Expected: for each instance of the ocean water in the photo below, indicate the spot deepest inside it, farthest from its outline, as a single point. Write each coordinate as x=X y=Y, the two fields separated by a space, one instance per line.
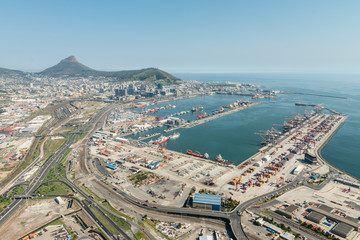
x=233 y=136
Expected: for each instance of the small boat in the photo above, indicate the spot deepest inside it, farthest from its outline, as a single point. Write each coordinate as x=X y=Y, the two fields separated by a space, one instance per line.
x=174 y=136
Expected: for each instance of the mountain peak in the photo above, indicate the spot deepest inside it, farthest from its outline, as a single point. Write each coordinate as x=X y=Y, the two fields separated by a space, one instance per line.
x=67 y=66
x=70 y=66
x=70 y=59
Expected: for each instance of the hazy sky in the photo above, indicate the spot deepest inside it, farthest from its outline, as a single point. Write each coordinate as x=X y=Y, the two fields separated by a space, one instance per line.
x=183 y=36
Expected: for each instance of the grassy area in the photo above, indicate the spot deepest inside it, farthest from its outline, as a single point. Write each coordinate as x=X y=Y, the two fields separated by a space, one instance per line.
x=140 y=235
x=120 y=222
x=6 y=169
x=99 y=232
x=64 y=129
x=54 y=188
x=92 y=193
x=51 y=176
x=138 y=177
x=51 y=146
x=49 y=110
x=18 y=190
x=81 y=135
x=103 y=220
x=4 y=203
x=33 y=156
x=61 y=165
x=73 y=176
x=108 y=206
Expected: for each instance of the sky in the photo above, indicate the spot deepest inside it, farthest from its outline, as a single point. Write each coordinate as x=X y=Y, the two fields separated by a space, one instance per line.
x=183 y=36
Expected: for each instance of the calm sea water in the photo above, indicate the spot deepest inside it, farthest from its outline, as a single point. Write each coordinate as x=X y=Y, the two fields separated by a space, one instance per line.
x=233 y=136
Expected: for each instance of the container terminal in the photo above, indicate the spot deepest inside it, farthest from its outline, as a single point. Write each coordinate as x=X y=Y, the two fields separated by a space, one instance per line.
x=268 y=168
x=286 y=156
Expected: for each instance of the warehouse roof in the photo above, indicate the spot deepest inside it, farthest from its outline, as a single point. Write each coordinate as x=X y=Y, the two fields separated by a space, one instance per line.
x=325 y=208
x=355 y=220
x=342 y=229
x=291 y=208
x=337 y=218
x=273 y=227
x=315 y=217
x=207 y=199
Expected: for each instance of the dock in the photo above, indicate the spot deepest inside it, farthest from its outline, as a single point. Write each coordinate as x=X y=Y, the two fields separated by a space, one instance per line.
x=144 y=138
x=219 y=115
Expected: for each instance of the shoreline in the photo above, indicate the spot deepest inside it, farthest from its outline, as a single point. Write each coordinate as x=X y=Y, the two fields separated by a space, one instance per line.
x=319 y=150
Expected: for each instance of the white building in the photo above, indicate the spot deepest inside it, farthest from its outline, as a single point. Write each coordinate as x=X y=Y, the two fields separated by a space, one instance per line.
x=59 y=200
x=298 y=169
x=258 y=163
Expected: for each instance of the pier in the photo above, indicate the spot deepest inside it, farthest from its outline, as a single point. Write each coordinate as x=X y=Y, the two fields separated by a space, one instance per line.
x=219 y=115
x=213 y=117
x=147 y=137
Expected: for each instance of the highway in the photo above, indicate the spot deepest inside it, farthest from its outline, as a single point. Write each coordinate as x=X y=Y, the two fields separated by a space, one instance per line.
x=41 y=174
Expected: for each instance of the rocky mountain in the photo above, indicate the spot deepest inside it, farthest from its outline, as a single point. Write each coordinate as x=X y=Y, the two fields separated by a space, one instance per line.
x=67 y=66
x=70 y=66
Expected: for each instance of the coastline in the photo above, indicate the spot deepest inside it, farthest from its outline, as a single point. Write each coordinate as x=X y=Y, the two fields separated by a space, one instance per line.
x=318 y=151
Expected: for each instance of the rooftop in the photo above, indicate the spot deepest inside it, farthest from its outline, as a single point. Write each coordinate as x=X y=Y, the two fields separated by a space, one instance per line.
x=315 y=217
x=325 y=208
x=291 y=208
x=337 y=218
x=207 y=199
x=342 y=229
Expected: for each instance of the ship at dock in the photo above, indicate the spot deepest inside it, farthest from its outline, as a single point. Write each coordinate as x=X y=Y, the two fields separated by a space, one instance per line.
x=161 y=139
x=202 y=116
x=219 y=159
x=197 y=154
x=220 y=110
x=194 y=154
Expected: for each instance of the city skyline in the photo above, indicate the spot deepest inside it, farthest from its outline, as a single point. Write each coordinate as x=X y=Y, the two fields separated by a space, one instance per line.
x=183 y=37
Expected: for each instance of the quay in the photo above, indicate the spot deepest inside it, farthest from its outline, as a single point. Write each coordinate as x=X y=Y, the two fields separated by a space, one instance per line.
x=219 y=115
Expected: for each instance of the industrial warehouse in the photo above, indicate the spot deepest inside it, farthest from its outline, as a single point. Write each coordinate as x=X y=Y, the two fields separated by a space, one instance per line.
x=206 y=201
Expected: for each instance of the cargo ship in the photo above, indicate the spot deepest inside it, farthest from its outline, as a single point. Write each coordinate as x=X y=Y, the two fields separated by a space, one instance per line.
x=220 y=110
x=202 y=116
x=174 y=136
x=161 y=139
x=194 y=154
x=219 y=159
x=154 y=110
